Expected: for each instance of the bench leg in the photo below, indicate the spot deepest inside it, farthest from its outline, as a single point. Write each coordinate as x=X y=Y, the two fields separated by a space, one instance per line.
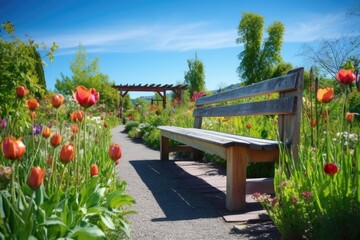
x=236 y=164
x=164 y=148
x=197 y=155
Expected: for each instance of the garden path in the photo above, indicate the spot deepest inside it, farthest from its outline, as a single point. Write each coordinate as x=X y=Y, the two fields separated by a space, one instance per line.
x=166 y=207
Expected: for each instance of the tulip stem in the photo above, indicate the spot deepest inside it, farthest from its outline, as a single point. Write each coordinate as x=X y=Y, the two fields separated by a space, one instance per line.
x=85 y=159
x=12 y=184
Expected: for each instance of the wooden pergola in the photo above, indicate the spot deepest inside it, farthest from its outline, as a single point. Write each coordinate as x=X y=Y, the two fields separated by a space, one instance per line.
x=159 y=88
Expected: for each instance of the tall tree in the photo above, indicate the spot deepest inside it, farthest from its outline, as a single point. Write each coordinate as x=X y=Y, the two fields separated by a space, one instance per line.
x=20 y=64
x=258 y=57
x=195 y=77
x=89 y=75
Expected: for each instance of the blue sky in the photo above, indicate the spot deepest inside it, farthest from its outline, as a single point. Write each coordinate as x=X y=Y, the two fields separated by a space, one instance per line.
x=141 y=41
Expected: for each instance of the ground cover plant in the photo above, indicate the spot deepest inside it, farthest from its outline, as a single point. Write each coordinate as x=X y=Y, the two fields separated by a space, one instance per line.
x=58 y=175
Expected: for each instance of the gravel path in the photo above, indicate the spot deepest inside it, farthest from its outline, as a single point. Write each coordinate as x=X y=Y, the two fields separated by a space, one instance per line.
x=165 y=211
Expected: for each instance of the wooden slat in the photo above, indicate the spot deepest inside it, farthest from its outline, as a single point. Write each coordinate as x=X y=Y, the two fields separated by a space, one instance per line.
x=269 y=107
x=280 y=84
x=224 y=139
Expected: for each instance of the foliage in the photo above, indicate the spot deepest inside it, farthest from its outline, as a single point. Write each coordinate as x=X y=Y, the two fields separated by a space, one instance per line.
x=70 y=201
x=318 y=197
x=195 y=76
x=89 y=75
x=20 y=64
x=258 y=57
x=127 y=103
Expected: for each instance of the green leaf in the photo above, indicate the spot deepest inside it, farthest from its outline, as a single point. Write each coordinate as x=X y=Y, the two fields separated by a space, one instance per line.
x=85 y=230
x=118 y=199
x=107 y=221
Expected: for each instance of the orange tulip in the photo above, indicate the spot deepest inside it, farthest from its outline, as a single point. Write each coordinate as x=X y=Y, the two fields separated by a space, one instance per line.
x=94 y=170
x=248 y=126
x=12 y=148
x=350 y=117
x=36 y=177
x=74 y=128
x=346 y=76
x=55 y=140
x=57 y=100
x=21 y=92
x=32 y=104
x=105 y=124
x=67 y=153
x=77 y=116
x=86 y=97
x=325 y=94
x=115 y=152
x=46 y=132
x=32 y=115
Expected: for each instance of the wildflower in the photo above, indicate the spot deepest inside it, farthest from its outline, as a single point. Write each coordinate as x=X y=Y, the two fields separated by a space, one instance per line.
x=12 y=148
x=5 y=172
x=197 y=95
x=67 y=153
x=325 y=94
x=307 y=196
x=248 y=126
x=294 y=200
x=86 y=97
x=32 y=104
x=37 y=129
x=36 y=177
x=46 y=132
x=55 y=140
x=330 y=169
x=349 y=117
x=32 y=115
x=21 y=92
x=115 y=152
x=345 y=76
x=77 y=116
x=57 y=100
x=3 y=124
x=94 y=170
x=256 y=195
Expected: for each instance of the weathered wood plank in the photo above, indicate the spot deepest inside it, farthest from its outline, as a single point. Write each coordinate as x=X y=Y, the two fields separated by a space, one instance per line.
x=270 y=107
x=280 y=84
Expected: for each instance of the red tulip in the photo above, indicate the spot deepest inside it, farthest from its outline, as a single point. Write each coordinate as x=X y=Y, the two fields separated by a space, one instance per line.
x=86 y=97
x=67 y=153
x=115 y=152
x=12 y=148
x=248 y=126
x=32 y=104
x=346 y=76
x=57 y=100
x=36 y=178
x=313 y=123
x=55 y=140
x=325 y=94
x=21 y=92
x=330 y=169
x=74 y=128
x=94 y=170
x=350 y=117
x=77 y=116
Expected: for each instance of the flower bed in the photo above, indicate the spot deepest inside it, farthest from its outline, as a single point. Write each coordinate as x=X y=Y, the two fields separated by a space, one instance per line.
x=58 y=174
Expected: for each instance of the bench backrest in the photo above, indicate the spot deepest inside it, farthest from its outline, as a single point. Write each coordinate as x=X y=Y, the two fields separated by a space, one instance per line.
x=288 y=106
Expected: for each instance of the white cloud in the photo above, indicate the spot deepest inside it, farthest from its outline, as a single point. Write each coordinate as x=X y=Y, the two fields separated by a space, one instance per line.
x=320 y=26
x=157 y=37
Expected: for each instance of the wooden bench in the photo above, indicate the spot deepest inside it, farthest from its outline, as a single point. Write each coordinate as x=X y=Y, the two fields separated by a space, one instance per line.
x=239 y=150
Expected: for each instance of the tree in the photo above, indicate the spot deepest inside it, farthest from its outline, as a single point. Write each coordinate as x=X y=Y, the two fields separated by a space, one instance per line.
x=330 y=54
x=89 y=75
x=20 y=64
x=195 y=77
x=258 y=57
